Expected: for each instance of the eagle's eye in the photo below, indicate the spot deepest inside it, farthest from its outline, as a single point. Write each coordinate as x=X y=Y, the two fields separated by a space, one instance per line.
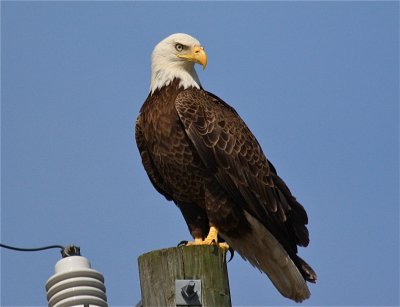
x=179 y=47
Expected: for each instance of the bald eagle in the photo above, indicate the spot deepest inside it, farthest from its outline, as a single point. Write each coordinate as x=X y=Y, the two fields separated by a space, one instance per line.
x=200 y=154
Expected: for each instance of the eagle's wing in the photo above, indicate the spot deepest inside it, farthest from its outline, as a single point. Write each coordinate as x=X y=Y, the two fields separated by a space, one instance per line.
x=232 y=154
x=228 y=148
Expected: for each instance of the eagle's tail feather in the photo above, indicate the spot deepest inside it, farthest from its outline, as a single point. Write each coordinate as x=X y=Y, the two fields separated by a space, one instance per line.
x=263 y=251
x=307 y=271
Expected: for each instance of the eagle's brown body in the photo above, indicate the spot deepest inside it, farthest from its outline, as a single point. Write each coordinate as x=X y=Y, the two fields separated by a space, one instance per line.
x=199 y=153
x=174 y=165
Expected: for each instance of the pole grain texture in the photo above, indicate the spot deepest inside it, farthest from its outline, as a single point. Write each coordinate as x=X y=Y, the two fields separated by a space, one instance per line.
x=159 y=269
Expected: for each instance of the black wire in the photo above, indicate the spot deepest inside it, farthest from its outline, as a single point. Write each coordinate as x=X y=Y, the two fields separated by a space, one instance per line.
x=31 y=249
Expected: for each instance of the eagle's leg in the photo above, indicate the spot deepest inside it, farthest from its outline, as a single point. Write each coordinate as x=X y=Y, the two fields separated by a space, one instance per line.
x=212 y=238
x=199 y=225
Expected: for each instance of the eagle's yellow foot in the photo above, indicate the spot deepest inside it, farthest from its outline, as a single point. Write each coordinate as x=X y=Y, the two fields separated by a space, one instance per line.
x=211 y=239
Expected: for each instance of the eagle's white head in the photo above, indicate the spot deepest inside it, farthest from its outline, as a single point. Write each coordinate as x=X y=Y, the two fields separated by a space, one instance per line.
x=174 y=57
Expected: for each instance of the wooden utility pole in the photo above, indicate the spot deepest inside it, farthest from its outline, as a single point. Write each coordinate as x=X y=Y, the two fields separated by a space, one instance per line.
x=162 y=273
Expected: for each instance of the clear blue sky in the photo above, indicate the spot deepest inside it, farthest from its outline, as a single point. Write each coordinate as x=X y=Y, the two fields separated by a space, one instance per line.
x=317 y=82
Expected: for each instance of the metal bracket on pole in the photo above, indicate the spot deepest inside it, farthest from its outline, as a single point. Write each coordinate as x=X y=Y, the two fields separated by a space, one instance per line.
x=188 y=292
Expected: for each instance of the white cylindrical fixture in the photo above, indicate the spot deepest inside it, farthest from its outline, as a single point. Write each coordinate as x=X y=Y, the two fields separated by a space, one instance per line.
x=76 y=284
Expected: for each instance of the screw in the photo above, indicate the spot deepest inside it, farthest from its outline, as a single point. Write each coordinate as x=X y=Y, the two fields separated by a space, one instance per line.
x=188 y=290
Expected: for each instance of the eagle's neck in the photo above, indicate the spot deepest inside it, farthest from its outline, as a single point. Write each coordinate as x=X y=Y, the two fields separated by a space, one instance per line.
x=163 y=74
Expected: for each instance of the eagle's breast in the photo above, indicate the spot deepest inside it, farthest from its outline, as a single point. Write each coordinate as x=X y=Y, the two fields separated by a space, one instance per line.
x=169 y=147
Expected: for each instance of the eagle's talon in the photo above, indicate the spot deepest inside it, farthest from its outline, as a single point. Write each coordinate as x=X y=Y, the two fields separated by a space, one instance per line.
x=231 y=252
x=182 y=243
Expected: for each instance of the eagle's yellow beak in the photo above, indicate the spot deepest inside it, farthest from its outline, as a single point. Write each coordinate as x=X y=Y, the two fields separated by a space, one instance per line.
x=197 y=55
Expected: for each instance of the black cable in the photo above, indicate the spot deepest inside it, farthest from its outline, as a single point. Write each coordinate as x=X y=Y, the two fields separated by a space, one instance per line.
x=31 y=249
x=65 y=251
